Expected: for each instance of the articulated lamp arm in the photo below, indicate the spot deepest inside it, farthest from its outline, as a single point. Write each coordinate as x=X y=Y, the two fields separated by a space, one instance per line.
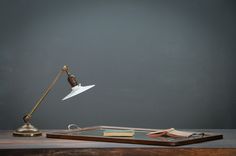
x=71 y=80
x=28 y=116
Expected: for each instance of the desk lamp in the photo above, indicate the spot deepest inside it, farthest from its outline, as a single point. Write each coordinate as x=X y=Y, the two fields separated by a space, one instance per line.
x=28 y=129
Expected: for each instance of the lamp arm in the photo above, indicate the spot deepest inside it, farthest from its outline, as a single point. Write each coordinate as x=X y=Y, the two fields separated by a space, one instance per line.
x=28 y=116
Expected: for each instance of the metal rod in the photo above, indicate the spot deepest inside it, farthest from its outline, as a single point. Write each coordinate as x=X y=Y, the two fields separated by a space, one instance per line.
x=64 y=69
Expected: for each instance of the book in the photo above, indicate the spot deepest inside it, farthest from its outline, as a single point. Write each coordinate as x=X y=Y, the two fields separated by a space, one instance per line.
x=118 y=133
x=171 y=132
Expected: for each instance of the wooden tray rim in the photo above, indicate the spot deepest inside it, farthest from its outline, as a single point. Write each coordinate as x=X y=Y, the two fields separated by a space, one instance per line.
x=60 y=135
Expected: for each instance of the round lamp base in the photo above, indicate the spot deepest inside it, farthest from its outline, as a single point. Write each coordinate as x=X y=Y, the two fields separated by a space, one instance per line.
x=27 y=130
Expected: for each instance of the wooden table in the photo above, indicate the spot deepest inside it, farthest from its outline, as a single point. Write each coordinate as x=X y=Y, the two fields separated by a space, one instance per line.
x=38 y=146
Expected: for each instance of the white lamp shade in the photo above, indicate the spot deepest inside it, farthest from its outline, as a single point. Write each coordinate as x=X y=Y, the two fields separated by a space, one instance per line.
x=77 y=90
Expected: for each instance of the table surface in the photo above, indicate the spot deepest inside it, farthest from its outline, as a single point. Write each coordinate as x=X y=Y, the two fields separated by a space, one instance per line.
x=11 y=144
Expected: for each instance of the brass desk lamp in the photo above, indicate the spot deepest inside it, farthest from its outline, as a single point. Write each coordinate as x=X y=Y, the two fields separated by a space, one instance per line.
x=28 y=129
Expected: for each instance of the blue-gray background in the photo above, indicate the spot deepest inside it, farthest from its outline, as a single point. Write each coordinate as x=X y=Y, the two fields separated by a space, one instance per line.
x=156 y=64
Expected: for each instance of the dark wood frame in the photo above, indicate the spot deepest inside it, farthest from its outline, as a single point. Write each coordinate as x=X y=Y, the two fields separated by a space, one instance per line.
x=65 y=134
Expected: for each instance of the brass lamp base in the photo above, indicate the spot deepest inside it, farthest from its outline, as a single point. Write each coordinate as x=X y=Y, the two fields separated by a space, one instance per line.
x=27 y=130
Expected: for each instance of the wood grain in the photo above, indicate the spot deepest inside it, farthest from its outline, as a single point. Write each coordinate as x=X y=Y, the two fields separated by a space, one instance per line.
x=38 y=146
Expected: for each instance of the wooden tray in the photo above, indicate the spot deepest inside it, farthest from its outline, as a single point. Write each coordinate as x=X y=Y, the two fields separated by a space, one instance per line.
x=140 y=137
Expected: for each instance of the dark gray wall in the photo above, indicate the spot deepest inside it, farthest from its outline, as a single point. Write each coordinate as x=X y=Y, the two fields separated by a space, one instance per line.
x=156 y=64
